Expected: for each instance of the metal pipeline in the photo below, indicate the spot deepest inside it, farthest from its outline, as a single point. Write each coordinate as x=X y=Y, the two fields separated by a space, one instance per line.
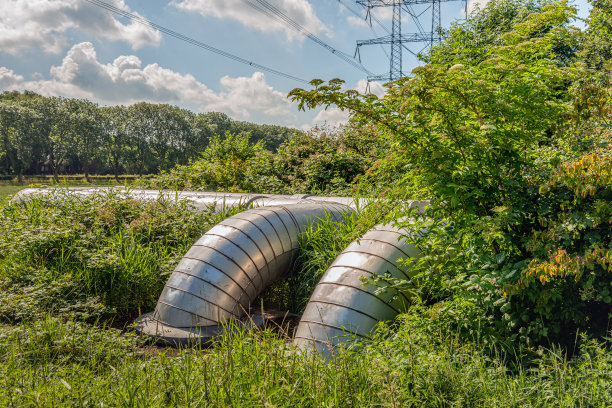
x=229 y=266
x=200 y=200
x=343 y=305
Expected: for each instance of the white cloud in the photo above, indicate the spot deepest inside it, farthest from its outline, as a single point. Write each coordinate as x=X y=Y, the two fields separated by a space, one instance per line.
x=375 y=88
x=245 y=93
x=44 y=24
x=331 y=117
x=300 y=11
x=356 y=21
x=125 y=81
x=8 y=78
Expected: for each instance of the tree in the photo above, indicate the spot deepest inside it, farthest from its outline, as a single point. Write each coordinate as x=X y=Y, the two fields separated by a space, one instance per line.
x=86 y=131
x=141 y=124
x=20 y=140
x=597 y=49
x=115 y=141
x=172 y=139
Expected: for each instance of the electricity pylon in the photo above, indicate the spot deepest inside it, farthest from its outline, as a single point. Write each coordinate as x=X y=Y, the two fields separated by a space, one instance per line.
x=396 y=39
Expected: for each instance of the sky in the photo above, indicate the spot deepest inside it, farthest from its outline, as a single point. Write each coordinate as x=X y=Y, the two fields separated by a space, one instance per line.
x=73 y=48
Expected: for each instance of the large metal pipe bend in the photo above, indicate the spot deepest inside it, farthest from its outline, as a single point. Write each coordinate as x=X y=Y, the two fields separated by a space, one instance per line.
x=343 y=305
x=229 y=266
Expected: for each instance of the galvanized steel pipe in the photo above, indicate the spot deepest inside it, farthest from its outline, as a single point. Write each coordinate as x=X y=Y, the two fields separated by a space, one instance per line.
x=230 y=265
x=226 y=269
x=343 y=305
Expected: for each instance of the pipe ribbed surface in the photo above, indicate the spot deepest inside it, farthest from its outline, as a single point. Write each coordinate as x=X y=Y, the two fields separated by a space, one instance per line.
x=343 y=305
x=230 y=265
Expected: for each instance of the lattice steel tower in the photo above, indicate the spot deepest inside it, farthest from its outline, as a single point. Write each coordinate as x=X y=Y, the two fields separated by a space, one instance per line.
x=396 y=39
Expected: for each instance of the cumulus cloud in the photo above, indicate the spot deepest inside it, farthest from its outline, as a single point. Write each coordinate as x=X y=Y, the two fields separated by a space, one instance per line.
x=8 y=78
x=300 y=11
x=125 y=81
x=44 y=24
x=375 y=87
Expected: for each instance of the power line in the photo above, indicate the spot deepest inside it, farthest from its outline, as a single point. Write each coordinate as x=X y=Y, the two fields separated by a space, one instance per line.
x=396 y=38
x=273 y=12
x=192 y=41
x=356 y=13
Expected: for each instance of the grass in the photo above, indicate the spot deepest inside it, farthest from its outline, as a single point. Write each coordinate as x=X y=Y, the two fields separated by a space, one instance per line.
x=92 y=257
x=54 y=363
x=71 y=269
x=9 y=187
x=9 y=190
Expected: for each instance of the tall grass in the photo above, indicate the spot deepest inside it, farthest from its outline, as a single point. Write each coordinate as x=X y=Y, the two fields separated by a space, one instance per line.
x=112 y=253
x=51 y=363
x=319 y=245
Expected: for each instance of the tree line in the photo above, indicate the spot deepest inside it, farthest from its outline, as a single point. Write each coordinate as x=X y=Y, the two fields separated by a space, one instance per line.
x=53 y=135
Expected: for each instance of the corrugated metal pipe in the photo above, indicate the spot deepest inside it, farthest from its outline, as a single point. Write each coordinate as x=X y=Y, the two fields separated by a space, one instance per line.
x=230 y=265
x=226 y=270
x=343 y=305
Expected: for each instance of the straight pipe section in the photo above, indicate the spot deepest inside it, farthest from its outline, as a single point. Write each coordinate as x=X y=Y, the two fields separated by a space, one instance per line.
x=229 y=266
x=200 y=200
x=343 y=305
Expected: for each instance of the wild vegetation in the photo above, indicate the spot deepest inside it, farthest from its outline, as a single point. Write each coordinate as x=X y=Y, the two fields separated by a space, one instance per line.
x=322 y=161
x=49 y=135
x=506 y=128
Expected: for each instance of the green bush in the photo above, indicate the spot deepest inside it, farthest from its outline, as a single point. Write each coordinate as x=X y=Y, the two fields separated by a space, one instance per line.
x=482 y=130
x=319 y=162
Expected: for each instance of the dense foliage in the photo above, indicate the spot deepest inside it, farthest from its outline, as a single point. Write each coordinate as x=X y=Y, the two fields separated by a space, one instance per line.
x=321 y=161
x=55 y=135
x=508 y=134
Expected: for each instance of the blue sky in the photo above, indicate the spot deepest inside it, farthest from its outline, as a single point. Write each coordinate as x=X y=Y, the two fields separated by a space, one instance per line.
x=75 y=49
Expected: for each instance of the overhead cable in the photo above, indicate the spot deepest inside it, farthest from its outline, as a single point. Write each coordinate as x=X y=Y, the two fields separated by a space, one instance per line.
x=356 y=13
x=192 y=41
x=273 y=12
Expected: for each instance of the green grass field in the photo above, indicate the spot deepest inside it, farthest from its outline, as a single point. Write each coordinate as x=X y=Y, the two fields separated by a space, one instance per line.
x=7 y=190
